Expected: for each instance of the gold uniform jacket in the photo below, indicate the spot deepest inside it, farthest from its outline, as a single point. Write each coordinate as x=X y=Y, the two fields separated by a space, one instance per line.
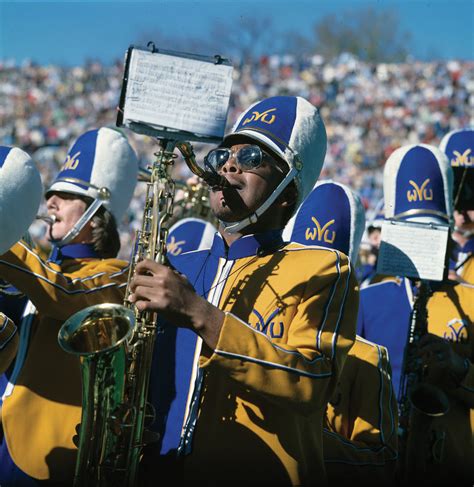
x=40 y=414
x=360 y=433
x=384 y=318
x=451 y=316
x=259 y=398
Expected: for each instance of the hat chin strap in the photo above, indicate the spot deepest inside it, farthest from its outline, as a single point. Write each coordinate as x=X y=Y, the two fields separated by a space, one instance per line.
x=234 y=227
x=79 y=225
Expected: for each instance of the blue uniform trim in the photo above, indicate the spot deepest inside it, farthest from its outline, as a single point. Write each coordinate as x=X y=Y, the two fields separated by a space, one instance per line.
x=358 y=448
x=57 y=286
x=72 y=251
x=77 y=279
x=7 y=340
x=271 y=364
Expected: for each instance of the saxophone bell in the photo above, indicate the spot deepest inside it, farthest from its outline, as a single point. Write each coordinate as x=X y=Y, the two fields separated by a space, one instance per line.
x=97 y=329
x=419 y=402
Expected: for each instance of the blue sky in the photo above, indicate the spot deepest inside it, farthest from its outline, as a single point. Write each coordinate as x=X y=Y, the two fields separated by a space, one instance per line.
x=70 y=32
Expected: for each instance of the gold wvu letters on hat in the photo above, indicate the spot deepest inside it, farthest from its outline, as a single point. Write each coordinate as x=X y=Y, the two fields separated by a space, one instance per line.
x=320 y=233
x=420 y=193
x=262 y=117
x=71 y=163
x=462 y=160
x=174 y=247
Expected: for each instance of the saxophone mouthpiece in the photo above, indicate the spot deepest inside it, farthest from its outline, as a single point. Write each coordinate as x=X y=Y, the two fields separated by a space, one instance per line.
x=215 y=181
x=46 y=218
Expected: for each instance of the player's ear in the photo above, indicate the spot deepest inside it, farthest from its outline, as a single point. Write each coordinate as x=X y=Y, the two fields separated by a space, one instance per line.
x=289 y=196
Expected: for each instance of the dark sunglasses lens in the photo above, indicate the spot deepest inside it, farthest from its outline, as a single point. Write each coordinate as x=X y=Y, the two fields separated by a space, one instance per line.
x=249 y=157
x=217 y=158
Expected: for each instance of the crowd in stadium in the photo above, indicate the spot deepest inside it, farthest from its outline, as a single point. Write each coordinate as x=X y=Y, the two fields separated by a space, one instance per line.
x=369 y=110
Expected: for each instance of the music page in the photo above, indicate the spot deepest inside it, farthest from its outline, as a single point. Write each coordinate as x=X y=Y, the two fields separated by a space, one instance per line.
x=413 y=250
x=178 y=93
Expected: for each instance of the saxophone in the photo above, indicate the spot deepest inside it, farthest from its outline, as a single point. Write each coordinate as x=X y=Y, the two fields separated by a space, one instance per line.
x=115 y=343
x=419 y=402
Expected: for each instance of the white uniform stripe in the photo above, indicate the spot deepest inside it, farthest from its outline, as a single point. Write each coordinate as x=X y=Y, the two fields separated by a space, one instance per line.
x=63 y=289
x=341 y=309
x=328 y=304
x=77 y=279
x=272 y=364
x=223 y=270
x=279 y=347
x=25 y=330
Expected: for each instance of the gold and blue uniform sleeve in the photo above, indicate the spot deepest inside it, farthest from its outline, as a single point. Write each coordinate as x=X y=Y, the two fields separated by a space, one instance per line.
x=60 y=291
x=360 y=434
x=47 y=387
x=313 y=302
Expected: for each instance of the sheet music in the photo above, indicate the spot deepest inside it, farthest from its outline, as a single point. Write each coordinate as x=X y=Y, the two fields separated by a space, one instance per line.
x=178 y=93
x=413 y=250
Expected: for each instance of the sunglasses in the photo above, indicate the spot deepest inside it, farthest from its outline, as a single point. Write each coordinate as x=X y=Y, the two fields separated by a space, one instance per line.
x=247 y=158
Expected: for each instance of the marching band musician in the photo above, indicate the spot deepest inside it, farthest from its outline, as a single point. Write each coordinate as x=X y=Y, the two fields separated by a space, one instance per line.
x=359 y=436
x=458 y=145
x=272 y=322
x=446 y=351
x=18 y=177
x=42 y=402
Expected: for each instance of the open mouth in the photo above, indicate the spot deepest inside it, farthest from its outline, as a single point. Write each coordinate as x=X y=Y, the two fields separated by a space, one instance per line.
x=227 y=189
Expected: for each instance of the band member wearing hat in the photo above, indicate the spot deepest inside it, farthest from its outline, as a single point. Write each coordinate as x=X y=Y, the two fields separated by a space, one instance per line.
x=458 y=145
x=189 y=234
x=18 y=177
x=360 y=436
x=418 y=189
x=42 y=402
x=272 y=322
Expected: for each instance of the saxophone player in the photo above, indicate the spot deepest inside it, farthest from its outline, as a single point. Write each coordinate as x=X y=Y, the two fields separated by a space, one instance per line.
x=445 y=352
x=42 y=401
x=272 y=322
x=458 y=145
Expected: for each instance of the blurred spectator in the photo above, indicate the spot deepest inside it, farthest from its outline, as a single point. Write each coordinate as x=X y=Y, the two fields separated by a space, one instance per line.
x=369 y=110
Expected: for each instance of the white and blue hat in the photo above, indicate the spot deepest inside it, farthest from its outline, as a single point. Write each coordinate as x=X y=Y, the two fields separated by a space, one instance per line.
x=189 y=234
x=292 y=128
x=458 y=145
x=418 y=185
x=102 y=165
x=331 y=216
x=21 y=190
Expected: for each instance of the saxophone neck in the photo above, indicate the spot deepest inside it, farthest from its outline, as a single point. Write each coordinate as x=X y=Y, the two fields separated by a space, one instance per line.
x=212 y=178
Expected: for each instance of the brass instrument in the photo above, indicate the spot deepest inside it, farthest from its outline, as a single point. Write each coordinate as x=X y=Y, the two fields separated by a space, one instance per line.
x=115 y=343
x=193 y=197
x=419 y=402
